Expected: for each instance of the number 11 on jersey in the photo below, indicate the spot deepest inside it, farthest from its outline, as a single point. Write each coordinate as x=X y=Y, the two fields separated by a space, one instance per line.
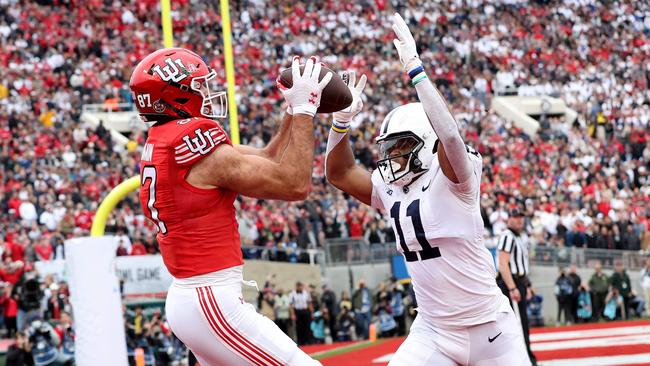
x=413 y=211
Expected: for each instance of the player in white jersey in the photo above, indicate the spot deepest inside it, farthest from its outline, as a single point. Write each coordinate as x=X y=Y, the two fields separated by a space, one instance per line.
x=428 y=181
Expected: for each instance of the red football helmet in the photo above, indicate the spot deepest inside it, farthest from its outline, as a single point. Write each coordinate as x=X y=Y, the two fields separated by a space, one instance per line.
x=174 y=83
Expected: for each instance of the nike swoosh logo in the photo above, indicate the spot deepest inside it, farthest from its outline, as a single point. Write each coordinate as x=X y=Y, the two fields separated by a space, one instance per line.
x=495 y=337
x=427 y=187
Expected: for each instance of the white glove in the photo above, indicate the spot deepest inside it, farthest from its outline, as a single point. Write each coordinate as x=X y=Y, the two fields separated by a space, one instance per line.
x=342 y=118
x=304 y=95
x=405 y=44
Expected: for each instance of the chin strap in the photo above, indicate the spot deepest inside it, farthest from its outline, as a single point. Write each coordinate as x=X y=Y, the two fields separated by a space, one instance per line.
x=181 y=113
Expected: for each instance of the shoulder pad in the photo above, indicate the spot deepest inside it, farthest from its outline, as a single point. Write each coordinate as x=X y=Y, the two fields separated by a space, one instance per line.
x=198 y=137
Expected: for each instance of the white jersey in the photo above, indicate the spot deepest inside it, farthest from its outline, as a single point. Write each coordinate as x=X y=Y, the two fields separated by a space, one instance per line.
x=439 y=231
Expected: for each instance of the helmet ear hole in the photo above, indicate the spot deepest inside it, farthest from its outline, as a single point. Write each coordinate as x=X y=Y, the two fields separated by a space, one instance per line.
x=181 y=100
x=417 y=163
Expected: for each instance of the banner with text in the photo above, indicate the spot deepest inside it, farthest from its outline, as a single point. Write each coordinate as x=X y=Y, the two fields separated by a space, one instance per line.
x=142 y=275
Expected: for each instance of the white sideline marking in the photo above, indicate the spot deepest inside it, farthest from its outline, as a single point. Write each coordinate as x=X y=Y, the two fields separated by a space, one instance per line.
x=383 y=359
x=630 y=340
x=589 y=333
x=640 y=358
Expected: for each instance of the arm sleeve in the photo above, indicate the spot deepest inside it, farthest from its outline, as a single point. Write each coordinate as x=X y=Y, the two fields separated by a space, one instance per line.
x=468 y=190
x=446 y=128
x=196 y=140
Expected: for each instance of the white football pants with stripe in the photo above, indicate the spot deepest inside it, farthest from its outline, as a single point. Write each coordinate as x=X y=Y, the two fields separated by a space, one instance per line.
x=209 y=315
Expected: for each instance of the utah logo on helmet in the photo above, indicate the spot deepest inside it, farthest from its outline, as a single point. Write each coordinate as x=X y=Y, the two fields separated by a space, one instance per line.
x=175 y=83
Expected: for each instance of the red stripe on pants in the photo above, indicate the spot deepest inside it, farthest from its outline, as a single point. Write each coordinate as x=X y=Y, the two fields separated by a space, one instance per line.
x=215 y=307
x=213 y=324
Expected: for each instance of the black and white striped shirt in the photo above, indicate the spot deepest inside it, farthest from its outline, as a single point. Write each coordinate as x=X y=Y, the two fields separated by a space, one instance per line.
x=517 y=246
x=299 y=301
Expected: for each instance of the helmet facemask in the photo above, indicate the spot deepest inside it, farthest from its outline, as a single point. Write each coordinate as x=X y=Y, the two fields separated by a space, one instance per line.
x=399 y=163
x=215 y=104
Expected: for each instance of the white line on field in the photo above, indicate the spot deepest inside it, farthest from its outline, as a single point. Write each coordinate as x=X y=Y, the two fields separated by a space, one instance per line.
x=629 y=340
x=640 y=358
x=553 y=336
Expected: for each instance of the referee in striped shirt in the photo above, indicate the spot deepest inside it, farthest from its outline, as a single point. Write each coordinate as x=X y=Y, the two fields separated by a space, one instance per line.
x=301 y=309
x=513 y=269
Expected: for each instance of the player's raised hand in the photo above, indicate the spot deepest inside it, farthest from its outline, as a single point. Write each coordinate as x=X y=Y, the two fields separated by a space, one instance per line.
x=342 y=118
x=304 y=95
x=405 y=44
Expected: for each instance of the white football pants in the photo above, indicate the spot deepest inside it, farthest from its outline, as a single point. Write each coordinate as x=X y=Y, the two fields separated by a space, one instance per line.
x=497 y=343
x=222 y=329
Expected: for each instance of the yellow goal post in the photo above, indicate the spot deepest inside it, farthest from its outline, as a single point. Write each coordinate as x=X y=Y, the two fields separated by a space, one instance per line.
x=110 y=201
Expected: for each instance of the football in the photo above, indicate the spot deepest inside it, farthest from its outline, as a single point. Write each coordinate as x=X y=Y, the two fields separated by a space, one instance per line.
x=336 y=95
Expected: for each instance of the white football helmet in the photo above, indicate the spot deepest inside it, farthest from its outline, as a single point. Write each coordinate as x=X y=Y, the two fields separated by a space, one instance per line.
x=406 y=126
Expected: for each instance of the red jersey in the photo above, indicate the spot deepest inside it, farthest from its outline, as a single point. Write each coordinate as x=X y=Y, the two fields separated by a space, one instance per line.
x=11 y=306
x=197 y=228
x=138 y=249
x=11 y=277
x=17 y=252
x=44 y=252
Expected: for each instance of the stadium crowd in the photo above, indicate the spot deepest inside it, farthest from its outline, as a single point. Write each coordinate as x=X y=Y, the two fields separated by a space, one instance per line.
x=330 y=317
x=583 y=184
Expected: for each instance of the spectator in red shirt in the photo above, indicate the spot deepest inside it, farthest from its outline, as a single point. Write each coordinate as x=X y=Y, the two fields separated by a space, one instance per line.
x=17 y=251
x=355 y=222
x=83 y=218
x=44 y=251
x=9 y=301
x=138 y=248
x=11 y=272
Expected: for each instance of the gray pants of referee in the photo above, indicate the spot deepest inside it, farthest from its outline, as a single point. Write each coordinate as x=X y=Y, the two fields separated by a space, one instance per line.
x=522 y=286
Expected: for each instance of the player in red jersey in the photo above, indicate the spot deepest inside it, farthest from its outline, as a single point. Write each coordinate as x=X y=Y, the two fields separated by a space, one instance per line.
x=190 y=176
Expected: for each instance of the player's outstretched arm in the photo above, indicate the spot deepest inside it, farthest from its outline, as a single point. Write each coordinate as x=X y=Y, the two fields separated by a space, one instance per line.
x=341 y=169
x=255 y=176
x=343 y=172
x=275 y=148
x=455 y=163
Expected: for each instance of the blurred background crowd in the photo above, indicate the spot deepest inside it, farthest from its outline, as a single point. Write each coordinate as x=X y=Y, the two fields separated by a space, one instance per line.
x=601 y=297
x=315 y=316
x=583 y=184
